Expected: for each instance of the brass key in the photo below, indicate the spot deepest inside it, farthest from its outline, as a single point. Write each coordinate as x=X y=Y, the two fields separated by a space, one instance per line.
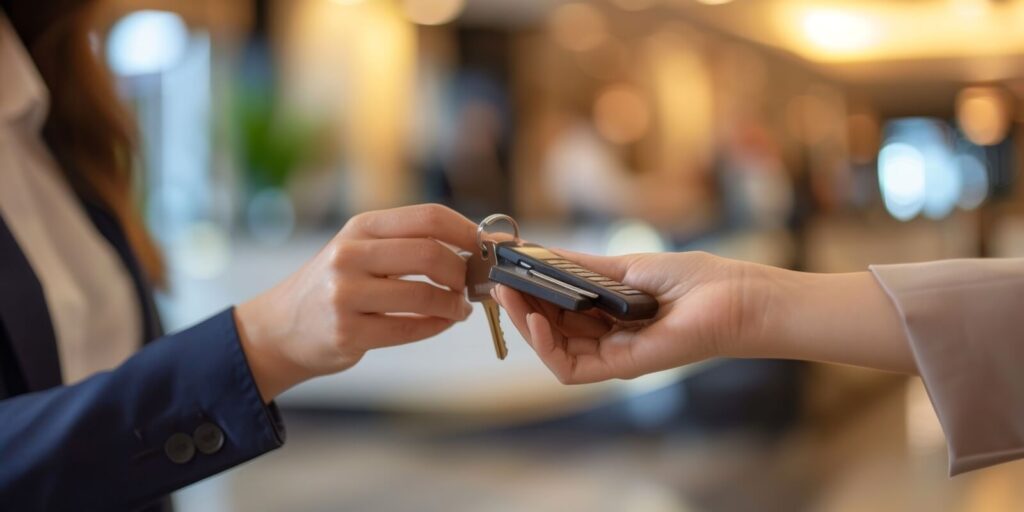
x=478 y=282
x=478 y=289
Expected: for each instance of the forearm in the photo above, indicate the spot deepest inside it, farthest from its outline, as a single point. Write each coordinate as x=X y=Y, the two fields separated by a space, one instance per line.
x=837 y=318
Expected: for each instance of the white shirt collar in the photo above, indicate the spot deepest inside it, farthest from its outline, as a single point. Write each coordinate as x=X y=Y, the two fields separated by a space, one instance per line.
x=24 y=100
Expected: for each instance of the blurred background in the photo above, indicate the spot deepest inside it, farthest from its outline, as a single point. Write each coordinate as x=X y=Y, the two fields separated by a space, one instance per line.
x=820 y=135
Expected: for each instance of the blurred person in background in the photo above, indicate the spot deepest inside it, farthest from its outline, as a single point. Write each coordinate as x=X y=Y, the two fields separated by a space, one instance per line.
x=98 y=410
x=956 y=323
x=593 y=180
x=756 y=188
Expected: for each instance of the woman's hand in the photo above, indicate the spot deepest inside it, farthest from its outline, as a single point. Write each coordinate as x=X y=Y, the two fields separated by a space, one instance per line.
x=348 y=299
x=702 y=307
x=709 y=307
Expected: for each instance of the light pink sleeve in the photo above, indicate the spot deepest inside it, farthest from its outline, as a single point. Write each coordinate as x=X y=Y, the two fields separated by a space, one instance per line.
x=965 y=323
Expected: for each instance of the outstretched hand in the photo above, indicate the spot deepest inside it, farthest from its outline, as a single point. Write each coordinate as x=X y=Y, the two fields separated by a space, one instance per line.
x=704 y=307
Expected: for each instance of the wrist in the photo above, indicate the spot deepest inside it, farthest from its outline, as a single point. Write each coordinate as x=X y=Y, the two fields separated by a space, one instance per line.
x=761 y=295
x=840 y=318
x=791 y=308
x=264 y=351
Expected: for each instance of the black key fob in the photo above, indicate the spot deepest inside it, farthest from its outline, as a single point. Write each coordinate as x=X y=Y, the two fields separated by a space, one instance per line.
x=536 y=271
x=519 y=278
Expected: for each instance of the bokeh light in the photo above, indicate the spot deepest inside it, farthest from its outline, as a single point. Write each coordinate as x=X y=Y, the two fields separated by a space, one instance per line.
x=621 y=114
x=632 y=236
x=204 y=251
x=973 y=180
x=917 y=169
x=983 y=114
x=942 y=183
x=147 y=41
x=578 y=26
x=901 y=176
x=432 y=12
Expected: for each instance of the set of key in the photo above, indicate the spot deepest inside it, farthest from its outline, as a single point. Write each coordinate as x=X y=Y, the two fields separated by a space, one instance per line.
x=478 y=289
x=538 y=272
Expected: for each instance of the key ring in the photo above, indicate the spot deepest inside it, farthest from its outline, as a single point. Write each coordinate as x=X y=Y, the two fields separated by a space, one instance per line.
x=491 y=219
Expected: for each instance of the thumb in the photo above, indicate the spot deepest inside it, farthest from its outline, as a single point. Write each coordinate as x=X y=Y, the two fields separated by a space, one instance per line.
x=614 y=267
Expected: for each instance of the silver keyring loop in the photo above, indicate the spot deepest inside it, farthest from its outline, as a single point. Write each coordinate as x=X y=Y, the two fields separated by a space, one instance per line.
x=491 y=219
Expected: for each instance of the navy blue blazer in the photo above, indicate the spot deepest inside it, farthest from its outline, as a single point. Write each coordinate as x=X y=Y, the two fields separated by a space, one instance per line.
x=181 y=409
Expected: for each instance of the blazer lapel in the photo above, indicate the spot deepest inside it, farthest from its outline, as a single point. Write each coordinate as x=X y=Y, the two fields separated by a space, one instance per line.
x=26 y=317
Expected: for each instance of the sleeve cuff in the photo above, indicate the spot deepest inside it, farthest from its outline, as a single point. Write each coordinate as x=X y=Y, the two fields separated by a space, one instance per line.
x=266 y=415
x=963 y=320
x=219 y=419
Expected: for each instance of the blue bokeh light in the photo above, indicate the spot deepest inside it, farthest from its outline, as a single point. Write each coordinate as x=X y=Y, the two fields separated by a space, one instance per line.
x=147 y=41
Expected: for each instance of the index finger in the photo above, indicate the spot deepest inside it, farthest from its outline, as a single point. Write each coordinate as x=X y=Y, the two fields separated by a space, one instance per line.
x=418 y=221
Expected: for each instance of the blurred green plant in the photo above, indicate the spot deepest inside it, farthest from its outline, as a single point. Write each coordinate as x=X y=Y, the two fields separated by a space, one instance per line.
x=274 y=143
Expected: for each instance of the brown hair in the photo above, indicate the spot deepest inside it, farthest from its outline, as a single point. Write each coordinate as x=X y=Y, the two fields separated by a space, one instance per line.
x=88 y=129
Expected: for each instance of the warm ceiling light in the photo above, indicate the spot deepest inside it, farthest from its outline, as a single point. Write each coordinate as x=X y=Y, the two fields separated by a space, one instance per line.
x=578 y=26
x=838 y=31
x=621 y=114
x=432 y=12
x=971 y=9
x=983 y=114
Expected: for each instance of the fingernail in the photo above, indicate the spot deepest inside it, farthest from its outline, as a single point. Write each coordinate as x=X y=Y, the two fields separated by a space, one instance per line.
x=467 y=308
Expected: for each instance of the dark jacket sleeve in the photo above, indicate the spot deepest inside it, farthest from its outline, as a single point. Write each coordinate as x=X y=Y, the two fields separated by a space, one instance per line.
x=183 y=408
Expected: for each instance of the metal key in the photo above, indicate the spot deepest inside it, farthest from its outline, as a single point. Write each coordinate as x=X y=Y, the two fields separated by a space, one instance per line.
x=478 y=289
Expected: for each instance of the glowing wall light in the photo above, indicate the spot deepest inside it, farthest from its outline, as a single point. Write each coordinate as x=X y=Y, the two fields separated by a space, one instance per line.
x=682 y=100
x=146 y=42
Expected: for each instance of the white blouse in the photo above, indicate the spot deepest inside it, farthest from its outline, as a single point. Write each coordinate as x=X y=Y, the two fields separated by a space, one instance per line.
x=92 y=302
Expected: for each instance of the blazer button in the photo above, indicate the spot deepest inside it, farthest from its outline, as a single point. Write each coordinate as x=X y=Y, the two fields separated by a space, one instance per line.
x=179 y=448
x=209 y=438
